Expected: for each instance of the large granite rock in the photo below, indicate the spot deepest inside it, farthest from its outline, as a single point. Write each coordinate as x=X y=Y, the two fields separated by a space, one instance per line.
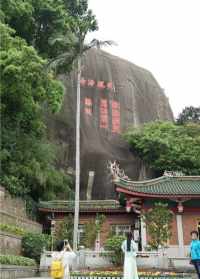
x=128 y=96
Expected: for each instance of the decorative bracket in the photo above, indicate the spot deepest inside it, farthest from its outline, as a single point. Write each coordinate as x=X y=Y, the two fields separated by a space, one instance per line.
x=116 y=172
x=173 y=173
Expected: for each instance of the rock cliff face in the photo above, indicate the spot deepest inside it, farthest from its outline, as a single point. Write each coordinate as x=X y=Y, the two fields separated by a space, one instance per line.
x=115 y=94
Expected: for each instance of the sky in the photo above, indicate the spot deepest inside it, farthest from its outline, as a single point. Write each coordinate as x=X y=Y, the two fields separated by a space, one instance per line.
x=162 y=36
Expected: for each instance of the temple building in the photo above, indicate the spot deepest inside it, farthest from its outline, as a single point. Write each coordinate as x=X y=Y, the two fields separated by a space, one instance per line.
x=181 y=193
x=116 y=221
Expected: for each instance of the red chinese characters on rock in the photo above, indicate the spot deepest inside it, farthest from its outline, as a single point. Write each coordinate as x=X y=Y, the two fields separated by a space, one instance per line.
x=97 y=84
x=88 y=106
x=103 y=113
x=101 y=84
x=91 y=83
x=83 y=82
x=110 y=86
x=115 y=117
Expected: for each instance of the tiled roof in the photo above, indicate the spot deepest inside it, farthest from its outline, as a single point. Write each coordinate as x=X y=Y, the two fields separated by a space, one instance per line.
x=85 y=205
x=165 y=185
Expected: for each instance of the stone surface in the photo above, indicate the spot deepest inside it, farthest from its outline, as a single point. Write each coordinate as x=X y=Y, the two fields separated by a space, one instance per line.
x=13 y=212
x=115 y=94
x=10 y=244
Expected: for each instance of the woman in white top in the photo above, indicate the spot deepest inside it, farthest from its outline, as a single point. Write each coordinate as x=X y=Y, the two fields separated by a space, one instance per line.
x=129 y=247
x=66 y=254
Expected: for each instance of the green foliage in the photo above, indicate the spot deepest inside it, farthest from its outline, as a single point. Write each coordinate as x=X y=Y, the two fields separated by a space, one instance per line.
x=189 y=114
x=100 y=219
x=33 y=245
x=16 y=260
x=113 y=244
x=30 y=30
x=167 y=146
x=65 y=229
x=82 y=21
x=28 y=160
x=29 y=169
x=40 y=21
x=36 y=21
x=12 y=229
x=23 y=75
x=158 y=221
x=90 y=234
x=122 y=199
x=91 y=230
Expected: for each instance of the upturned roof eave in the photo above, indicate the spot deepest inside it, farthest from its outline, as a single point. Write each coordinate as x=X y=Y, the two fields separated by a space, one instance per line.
x=159 y=195
x=120 y=181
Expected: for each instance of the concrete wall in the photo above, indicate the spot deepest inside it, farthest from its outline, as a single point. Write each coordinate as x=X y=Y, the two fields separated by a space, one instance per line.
x=25 y=223
x=190 y=223
x=13 y=212
x=10 y=244
x=15 y=206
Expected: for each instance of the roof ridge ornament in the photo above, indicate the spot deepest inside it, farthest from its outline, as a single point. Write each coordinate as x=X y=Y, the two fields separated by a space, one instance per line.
x=116 y=172
x=173 y=173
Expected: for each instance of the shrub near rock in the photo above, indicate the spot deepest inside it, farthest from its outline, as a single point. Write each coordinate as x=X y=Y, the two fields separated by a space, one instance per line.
x=16 y=260
x=12 y=229
x=34 y=243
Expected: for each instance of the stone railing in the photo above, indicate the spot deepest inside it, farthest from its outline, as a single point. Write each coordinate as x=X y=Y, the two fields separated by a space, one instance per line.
x=180 y=262
x=186 y=276
x=145 y=260
x=12 y=272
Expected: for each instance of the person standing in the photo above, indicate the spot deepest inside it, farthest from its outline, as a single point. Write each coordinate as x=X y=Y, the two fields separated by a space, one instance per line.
x=65 y=255
x=129 y=248
x=195 y=251
x=68 y=258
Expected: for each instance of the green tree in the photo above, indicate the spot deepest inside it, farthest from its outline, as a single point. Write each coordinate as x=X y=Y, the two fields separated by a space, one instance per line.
x=82 y=22
x=158 y=222
x=28 y=160
x=33 y=245
x=65 y=229
x=91 y=230
x=167 y=146
x=113 y=244
x=189 y=114
x=37 y=21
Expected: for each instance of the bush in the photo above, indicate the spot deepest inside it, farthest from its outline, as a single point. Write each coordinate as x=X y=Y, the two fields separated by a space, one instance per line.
x=65 y=229
x=114 y=244
x=92 y=228
x=12 y=229
x=34 y=243
x=158 y=221
x=16 y=260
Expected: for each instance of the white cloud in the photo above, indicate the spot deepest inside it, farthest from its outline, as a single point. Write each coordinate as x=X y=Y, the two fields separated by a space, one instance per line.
x=159 y=35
